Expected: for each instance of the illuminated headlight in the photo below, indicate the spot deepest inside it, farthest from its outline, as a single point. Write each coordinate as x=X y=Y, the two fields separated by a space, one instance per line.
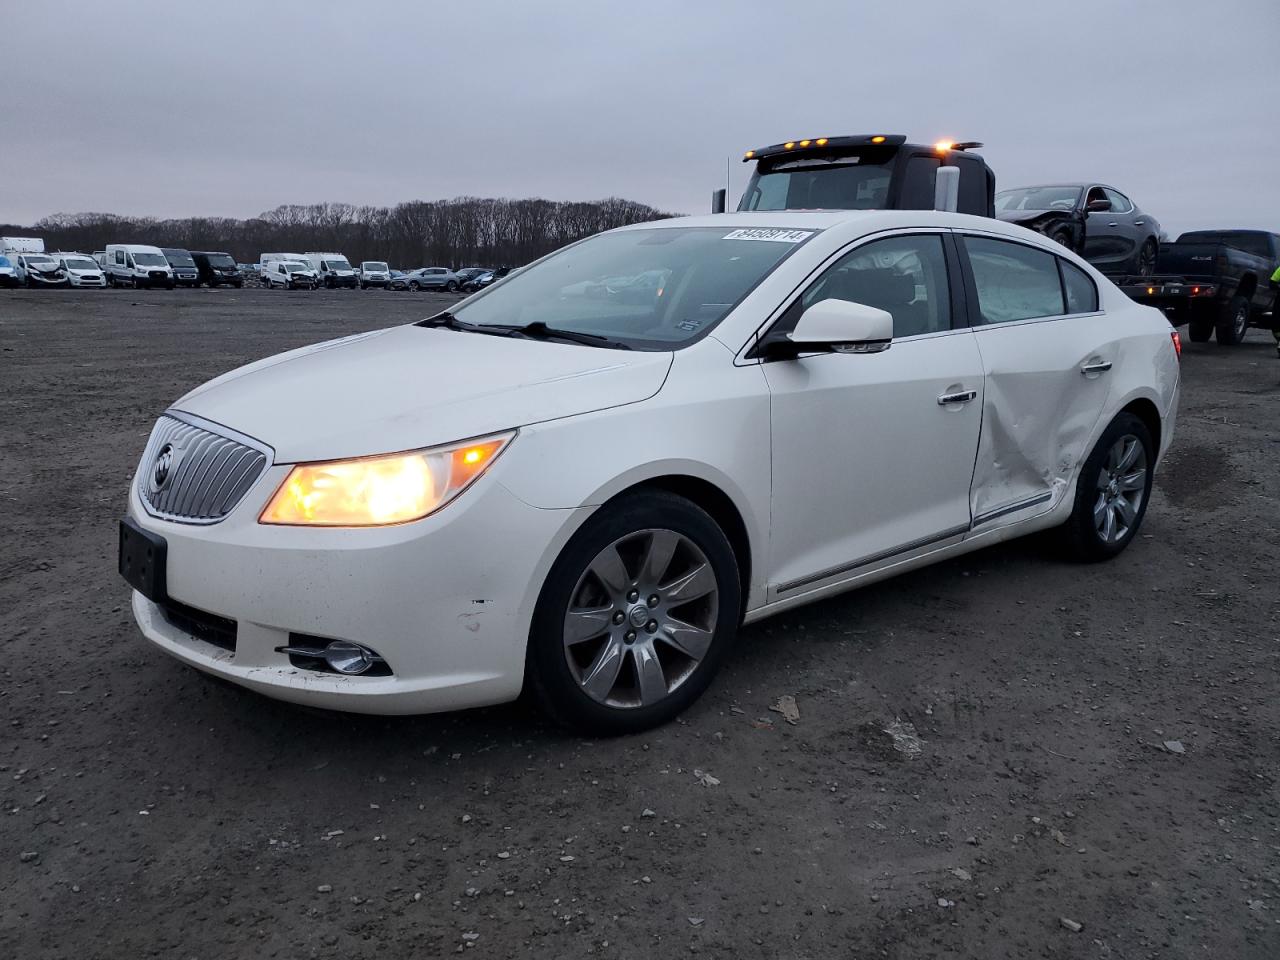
x=379 y=491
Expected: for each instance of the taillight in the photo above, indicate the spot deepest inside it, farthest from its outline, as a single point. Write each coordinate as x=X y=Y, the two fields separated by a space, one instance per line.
x=1177 y=342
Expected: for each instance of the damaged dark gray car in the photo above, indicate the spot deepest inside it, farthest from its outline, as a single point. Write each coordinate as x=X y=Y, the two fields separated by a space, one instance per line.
x=1096 y=221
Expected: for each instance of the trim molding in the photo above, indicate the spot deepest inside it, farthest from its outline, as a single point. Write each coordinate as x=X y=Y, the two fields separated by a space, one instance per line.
x=874 y=558
x=1023 y=504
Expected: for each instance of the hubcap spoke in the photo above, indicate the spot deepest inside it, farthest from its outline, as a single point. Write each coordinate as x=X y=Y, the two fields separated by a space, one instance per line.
x=611 y=571
x=1131 y=450
x=1099 y=510
x=698 y=582
x=1125 y=511
x=585 y=624
x=653 y=684
x=1109 y=524
x=662 y=547
x=692 y=641
x=1133 y=482
x=603 y=673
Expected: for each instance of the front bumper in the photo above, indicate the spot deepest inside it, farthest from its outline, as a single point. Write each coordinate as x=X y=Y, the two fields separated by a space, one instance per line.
x=88 y=281
x=446 y=601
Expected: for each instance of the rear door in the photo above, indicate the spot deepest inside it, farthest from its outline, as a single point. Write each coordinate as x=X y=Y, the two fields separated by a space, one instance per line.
x=873 y=453
x=1047 y=352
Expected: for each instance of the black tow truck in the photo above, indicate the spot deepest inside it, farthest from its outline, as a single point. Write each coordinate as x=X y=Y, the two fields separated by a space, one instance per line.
x=1214 y=281
x=867 y=172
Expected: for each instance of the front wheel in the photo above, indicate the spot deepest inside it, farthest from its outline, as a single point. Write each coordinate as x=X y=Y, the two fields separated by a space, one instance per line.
x=635 y=617
x=1063 y=236
x=414 y=286
x=451 y=287
x=1112 y=491
x=1233 y=322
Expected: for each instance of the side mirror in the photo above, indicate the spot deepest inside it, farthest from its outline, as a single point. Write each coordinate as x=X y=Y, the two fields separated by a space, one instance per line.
x=842 y=326
x=1098 y=206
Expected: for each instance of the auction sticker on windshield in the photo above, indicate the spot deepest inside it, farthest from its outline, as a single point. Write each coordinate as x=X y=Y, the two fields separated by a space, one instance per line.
x=777 y=236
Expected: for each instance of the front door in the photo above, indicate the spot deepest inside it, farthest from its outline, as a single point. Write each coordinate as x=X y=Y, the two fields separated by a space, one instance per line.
x=1047 y=353
x=873 y=453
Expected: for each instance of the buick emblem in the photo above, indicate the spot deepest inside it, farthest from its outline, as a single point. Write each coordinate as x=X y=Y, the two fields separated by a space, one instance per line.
x=162 y=466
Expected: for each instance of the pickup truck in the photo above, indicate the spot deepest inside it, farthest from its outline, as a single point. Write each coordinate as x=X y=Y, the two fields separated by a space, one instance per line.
x=1215 y=281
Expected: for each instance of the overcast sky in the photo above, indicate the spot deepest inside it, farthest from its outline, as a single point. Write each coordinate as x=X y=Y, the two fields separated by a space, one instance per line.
x=232 y=107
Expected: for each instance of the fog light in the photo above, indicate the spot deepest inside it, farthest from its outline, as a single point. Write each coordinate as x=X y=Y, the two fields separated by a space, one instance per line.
x=341 y=656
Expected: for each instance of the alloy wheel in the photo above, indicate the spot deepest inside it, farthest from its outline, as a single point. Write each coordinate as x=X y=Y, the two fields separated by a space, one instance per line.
x=1147 y=260
x=1240 y=322
x=1121 y=486
x=641 y=618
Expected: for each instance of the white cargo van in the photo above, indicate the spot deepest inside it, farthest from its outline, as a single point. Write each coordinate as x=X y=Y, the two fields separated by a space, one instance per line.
x=333 y=269
x=138 y=265
x=81 y=270
x=266 y=263
x=10 y=245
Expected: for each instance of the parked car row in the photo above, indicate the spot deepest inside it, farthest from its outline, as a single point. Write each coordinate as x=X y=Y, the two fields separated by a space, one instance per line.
x=24 y=262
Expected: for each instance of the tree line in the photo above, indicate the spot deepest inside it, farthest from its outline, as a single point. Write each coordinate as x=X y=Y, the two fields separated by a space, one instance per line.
x=455 y=233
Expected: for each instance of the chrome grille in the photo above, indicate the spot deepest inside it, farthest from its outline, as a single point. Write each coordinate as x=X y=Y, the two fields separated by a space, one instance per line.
x=208 y=472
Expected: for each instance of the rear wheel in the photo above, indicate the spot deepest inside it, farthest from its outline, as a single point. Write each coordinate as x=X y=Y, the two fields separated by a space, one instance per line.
x=1112 y=491
x=635 y=616
x=1233 y=322
x=414 y=286
x=1147 y=259
x=1199 y=327
x=451 y=286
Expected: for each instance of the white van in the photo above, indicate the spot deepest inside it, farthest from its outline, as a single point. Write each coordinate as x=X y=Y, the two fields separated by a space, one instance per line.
x=138 y=265
x=290 y=275
x=266 y=261
x=81 y=270
x=12 y=245
x=333 y=268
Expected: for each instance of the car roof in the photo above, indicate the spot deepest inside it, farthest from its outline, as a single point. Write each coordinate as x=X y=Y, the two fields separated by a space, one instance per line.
x=853 y=222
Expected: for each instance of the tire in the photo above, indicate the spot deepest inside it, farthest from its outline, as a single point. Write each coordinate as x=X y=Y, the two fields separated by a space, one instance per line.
x=451 y=287
x=1062 y=235
x=1199 y=329
x=414 y=286
x=1112 y=492
x=593 y=683
x=1233 y=321
x=1146 y=262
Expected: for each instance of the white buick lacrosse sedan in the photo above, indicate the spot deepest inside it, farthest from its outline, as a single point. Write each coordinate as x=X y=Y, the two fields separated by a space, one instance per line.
x=582 y=480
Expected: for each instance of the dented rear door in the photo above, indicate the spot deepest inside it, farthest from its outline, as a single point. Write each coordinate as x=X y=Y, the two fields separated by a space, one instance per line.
x=1047 y=379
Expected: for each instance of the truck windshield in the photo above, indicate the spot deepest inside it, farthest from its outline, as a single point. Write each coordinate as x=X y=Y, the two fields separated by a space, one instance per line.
x=858 y=182
x=221 y=260
x=1255 y=243
x=150 y=260
x=1038 y=198
x=337 y=265
x=656 y=288
x=375 y=266
x=179 y=259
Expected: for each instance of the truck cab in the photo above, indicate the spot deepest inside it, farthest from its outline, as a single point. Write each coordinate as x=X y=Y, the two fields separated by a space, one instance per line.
x=868 y=172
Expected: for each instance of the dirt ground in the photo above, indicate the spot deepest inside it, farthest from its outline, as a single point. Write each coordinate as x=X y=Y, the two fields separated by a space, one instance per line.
x=146 y=811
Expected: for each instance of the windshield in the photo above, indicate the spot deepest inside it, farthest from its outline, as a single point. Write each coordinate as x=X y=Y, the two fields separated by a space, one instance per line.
x=179 y=258
x=1255 y=243
x=221 y=260
x=80 y=263
x=656 y=288
x=4 y=262
x=1038 y=198
x=39 y=261
x=858 y=182
x=293 y=266
x=374 y=266
x=339 y=264
x=150 y=260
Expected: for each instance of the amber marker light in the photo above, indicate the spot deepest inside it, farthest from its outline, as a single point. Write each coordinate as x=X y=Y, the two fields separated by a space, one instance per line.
x=942 y=146
x=380 y=491
x=877 y=139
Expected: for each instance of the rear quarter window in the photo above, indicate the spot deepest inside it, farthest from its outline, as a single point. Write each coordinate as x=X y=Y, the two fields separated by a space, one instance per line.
x=1013 y=281
x=1080 y=290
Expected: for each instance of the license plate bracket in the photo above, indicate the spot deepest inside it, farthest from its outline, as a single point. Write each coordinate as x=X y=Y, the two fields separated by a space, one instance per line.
x=143 y=561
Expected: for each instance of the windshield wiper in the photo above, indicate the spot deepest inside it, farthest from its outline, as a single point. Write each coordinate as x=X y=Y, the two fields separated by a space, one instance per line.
x=540 y=331
x=447 y=320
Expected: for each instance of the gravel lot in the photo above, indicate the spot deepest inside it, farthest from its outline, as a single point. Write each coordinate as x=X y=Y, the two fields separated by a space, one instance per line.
x=148 y=811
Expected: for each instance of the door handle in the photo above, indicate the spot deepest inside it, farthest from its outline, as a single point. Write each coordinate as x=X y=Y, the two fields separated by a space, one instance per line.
x=1114 y=223
x=964 y=396
x=1138 y=223
x=1099 y=366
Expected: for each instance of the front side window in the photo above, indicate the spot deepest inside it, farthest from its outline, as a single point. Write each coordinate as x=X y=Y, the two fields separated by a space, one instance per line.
x=648 y=288
x=1013 y=281
x=906 y=276
x=1082 y=294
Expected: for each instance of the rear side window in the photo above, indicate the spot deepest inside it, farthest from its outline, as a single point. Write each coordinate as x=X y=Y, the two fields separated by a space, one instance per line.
x=1013 y=281
x=1082 y=295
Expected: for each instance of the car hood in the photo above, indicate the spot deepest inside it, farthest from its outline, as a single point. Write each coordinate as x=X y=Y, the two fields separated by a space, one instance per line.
x=410 y=387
